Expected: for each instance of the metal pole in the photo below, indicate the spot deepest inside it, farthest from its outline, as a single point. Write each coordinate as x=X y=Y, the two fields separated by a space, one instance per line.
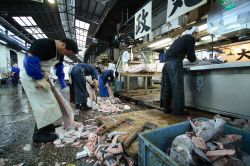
x=212 y=45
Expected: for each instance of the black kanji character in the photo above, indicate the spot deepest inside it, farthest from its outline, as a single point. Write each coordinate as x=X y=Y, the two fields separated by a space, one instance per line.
x=142 y=23
x=243 y=53
x=190 y=3
x=177 y=3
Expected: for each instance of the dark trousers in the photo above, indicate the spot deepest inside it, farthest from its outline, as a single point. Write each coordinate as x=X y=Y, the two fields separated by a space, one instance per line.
x=79 y=85
x=15 y=79
x=172 y=86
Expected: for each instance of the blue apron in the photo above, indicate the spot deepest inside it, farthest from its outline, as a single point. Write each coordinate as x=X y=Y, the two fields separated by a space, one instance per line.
x=103 y=89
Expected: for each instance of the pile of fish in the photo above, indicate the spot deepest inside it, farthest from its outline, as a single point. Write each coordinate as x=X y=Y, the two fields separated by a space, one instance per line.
x=240 y=123
x=206 y=145
x=140 y=68
x=202 y=62
x=136 y=68
x=73 y=135
x=111 y=105
x=106 y=149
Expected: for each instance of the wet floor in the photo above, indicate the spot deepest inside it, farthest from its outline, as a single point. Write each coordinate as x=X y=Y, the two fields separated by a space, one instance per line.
x=17 y=125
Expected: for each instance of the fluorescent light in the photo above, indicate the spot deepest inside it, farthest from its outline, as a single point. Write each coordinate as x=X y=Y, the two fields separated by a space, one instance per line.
x=51 y=1
x=162 y=46
x=1 y=41
x=202 y=27
x=206 y=38
x=160 y=42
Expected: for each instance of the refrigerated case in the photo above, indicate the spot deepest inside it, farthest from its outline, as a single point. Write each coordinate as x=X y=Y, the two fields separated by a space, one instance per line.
x=220 y=88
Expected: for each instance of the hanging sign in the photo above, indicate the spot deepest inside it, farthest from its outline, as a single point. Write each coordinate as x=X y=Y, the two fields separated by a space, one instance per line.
x=177 y=8
x=143 y=21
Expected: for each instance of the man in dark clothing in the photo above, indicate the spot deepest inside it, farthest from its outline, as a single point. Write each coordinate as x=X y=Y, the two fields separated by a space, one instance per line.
x=15 y=74
x=42 y=55
x=78 y=84
x=172 y=85
x=104 y=82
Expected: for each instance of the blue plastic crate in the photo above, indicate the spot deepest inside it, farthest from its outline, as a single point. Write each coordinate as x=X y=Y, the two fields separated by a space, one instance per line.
x=153 y=144
x=118 y=86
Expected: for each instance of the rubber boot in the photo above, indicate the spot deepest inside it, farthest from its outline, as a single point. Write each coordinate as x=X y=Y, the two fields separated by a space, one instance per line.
x=43 y=135
x=166 y=108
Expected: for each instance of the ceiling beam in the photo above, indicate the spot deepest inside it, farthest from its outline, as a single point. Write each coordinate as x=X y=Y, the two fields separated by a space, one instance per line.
x=106 y=11
x=14 y=30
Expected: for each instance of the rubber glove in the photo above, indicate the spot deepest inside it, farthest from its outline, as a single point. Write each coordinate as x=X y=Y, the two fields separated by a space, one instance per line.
x=95 y=83
x=42 y=84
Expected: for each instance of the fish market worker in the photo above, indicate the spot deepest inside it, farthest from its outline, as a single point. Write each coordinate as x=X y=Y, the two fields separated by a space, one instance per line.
x=104 y=82
x=78 y=89
x=15 y=70
x=172 y=84
x=42 y=55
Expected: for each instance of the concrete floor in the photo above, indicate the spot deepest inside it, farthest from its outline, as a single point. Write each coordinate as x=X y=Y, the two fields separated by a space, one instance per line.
x=17 y=125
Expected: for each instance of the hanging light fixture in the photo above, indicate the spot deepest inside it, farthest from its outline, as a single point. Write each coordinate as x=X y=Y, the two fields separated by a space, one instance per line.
x=51 y=1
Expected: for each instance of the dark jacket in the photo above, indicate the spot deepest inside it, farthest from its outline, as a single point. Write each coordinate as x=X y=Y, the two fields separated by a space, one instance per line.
x=88 y=70
x=181 y=47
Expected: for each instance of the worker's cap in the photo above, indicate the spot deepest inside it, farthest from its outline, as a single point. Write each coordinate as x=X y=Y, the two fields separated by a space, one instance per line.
x=115 y=74
x=192 y=30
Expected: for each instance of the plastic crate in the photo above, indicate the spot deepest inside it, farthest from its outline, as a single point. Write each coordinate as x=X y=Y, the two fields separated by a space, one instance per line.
x=153 y=144
x=118 y=86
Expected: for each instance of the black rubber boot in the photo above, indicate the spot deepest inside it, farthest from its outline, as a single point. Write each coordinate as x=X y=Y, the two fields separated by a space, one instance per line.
x=167 y=107
x=43 y=135
x=167 y=110
x=50 y=128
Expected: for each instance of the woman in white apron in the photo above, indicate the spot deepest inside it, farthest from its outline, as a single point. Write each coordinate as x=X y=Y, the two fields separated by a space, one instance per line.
x=42 y=55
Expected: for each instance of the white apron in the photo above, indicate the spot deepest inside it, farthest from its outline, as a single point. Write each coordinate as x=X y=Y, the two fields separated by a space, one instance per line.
x=43 y=103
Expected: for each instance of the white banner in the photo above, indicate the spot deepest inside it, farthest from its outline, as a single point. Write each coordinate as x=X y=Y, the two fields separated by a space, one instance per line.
x=143 y=21
x=179 y=7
